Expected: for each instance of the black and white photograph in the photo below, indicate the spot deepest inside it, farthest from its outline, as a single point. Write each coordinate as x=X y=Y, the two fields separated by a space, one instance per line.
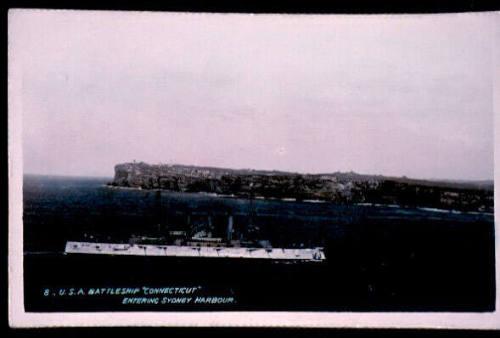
x=252 y=169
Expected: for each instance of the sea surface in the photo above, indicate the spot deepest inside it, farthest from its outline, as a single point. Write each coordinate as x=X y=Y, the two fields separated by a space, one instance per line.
x=379 y=257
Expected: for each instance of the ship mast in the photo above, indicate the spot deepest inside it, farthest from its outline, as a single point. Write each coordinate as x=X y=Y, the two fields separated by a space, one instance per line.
x=251 y=223
x=159 y=211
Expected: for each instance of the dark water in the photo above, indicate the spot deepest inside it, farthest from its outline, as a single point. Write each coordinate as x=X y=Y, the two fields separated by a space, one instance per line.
x=378 y=258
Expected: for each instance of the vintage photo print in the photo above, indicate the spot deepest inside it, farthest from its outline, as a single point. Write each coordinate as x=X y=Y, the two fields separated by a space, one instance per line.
x=182 y=169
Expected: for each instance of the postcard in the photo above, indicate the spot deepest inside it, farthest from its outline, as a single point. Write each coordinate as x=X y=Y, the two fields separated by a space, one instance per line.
x=292 y=170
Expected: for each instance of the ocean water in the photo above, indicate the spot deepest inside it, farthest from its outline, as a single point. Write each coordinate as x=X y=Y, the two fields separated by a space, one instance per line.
x=379 y=258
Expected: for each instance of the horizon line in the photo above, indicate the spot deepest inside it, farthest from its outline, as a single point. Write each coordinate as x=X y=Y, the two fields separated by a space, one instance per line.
x=389 y=176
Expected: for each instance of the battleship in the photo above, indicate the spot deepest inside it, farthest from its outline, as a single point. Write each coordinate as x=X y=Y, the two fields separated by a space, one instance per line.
x=207 y=247
x=282 y=254
x=191 y=240
x=196 y=239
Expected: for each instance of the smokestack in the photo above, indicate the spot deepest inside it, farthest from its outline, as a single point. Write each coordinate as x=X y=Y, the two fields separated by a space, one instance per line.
x=229 y=227
x=210 y=228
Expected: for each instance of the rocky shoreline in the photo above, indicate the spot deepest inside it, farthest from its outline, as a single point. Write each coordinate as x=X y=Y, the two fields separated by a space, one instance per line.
x=334 y=187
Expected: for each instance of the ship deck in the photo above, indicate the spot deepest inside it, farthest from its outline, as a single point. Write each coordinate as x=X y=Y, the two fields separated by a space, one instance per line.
x=308 y=254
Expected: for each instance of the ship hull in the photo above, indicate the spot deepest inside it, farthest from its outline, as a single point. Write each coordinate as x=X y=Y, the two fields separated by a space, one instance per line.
x=275 y=254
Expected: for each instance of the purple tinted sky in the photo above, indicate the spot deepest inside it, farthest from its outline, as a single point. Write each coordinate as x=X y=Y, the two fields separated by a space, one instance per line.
x=391 y=95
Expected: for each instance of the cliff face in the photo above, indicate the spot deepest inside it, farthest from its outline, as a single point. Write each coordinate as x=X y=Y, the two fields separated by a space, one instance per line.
x=336 y=187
